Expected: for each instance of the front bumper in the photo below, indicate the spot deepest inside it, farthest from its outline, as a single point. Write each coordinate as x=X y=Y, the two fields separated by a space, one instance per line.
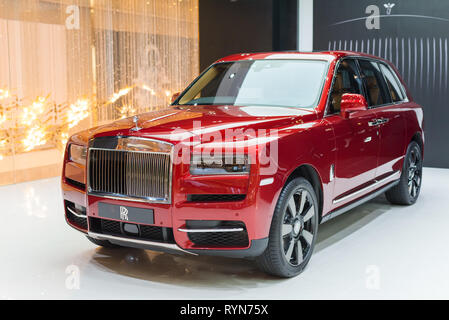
x=170 y=224
x=256 y=248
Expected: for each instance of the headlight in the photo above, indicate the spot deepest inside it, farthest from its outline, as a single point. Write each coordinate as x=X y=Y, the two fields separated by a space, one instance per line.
x=78 y=154
x=224 y=164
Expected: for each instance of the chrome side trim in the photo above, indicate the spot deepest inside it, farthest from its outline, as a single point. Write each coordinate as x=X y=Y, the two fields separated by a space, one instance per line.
x=371 y=186
x=266 y=182
x=76 y=213
x=211 y=230
x=169 y=246
x=358 y=202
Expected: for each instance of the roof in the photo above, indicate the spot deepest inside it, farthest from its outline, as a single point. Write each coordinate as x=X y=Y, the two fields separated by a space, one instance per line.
x=319 y=55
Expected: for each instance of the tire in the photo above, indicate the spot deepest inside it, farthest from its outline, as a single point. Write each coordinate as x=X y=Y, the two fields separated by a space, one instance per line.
x=406 y=192
x=103 y=243
x=290 y=232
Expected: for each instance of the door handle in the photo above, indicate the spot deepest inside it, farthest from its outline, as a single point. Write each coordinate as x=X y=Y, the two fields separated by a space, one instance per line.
x=377 y=122
x=383 y=120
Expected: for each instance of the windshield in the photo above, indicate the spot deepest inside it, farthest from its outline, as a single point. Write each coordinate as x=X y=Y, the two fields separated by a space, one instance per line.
x=292 y=83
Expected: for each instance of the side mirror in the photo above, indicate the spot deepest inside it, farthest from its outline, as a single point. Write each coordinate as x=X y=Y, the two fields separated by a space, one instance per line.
x=174 y=97
x=351 y=102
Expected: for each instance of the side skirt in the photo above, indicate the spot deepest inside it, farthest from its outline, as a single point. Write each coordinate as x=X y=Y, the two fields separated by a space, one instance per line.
x=358 y=202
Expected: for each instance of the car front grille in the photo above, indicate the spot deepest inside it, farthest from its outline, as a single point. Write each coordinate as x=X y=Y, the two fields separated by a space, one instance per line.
x=139 y=175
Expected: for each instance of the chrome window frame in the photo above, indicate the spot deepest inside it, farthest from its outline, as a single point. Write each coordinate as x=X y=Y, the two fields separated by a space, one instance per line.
x=357 y=58
x=397 y=80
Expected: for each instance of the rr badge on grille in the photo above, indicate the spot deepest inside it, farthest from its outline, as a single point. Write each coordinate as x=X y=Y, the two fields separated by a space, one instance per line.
x=123 y=213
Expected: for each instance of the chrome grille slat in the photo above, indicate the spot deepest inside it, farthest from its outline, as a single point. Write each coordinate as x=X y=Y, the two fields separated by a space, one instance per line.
x=134 y=175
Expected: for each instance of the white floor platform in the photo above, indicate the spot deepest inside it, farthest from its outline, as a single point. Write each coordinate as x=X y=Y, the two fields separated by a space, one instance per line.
x=375 y=251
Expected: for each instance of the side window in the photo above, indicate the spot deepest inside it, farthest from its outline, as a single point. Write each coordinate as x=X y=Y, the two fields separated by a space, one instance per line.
x=374 y=83
x=347 y=80
x=393 y=83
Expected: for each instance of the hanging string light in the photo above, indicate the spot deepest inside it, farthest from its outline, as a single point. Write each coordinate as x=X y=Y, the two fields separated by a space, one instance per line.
x=126 y=111
x=78 y=77
x=36 y=136
x=77 y=112
x=31 y=113
x=119 y=94
x=4 y=94
x=2 y=144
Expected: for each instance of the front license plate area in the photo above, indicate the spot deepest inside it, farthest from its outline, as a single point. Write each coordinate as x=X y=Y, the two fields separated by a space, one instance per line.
x=125 y=213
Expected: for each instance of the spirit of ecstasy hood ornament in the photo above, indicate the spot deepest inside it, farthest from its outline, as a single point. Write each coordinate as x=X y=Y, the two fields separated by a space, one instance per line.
x=135 y=120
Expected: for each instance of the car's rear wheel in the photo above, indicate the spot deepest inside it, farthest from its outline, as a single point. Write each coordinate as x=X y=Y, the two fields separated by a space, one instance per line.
x=103 y=243
x=293 y=230
x=406 y=192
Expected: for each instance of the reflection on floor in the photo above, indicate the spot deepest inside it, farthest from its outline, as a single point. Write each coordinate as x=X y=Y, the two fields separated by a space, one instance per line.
x=374 y=251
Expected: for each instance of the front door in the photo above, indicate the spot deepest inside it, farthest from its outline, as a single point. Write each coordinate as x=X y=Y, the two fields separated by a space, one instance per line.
x=357 y=143
x=356 y=138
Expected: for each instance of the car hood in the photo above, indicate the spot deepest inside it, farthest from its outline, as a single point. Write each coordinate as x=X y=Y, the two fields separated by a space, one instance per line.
x=180 y=122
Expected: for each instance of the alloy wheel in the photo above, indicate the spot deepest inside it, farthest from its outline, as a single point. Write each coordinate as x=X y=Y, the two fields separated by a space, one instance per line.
x=414 y=173
x=298 y=227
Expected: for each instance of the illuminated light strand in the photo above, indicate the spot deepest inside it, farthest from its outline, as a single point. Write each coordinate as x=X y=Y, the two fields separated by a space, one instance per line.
x=147 y=88
x=4 y=93
x=31 y=113
x=126 y=111
x=38 y=133
x=78 y=111
x=120 y=93
x=2 y=144
x=124 y=91
x=36 y=136
x=64 y=137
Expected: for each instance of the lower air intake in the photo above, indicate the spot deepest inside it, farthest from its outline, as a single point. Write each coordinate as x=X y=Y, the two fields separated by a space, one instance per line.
x=115 y=228
x=237 y=239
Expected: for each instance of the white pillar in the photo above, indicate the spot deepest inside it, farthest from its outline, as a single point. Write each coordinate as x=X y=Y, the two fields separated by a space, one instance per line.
x=305 y=25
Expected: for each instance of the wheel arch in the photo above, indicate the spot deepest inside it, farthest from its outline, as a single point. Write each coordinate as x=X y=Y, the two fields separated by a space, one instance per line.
x=417 y=137
x=309 y=173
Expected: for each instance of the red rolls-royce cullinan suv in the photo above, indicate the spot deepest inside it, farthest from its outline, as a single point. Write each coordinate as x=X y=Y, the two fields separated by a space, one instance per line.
x=249 y=159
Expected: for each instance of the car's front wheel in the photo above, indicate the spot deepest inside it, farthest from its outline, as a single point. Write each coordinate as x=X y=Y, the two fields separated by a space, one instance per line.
x=293 y=230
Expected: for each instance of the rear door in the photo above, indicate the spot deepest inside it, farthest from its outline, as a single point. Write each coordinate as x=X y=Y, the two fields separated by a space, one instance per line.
x=392 y=125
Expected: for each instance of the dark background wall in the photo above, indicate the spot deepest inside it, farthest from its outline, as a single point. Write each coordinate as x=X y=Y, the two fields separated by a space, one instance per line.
x=234 y=26
x=414 y=36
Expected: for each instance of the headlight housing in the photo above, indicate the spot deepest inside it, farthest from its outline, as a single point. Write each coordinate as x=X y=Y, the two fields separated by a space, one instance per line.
x=202 y=164
x=78 y=154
